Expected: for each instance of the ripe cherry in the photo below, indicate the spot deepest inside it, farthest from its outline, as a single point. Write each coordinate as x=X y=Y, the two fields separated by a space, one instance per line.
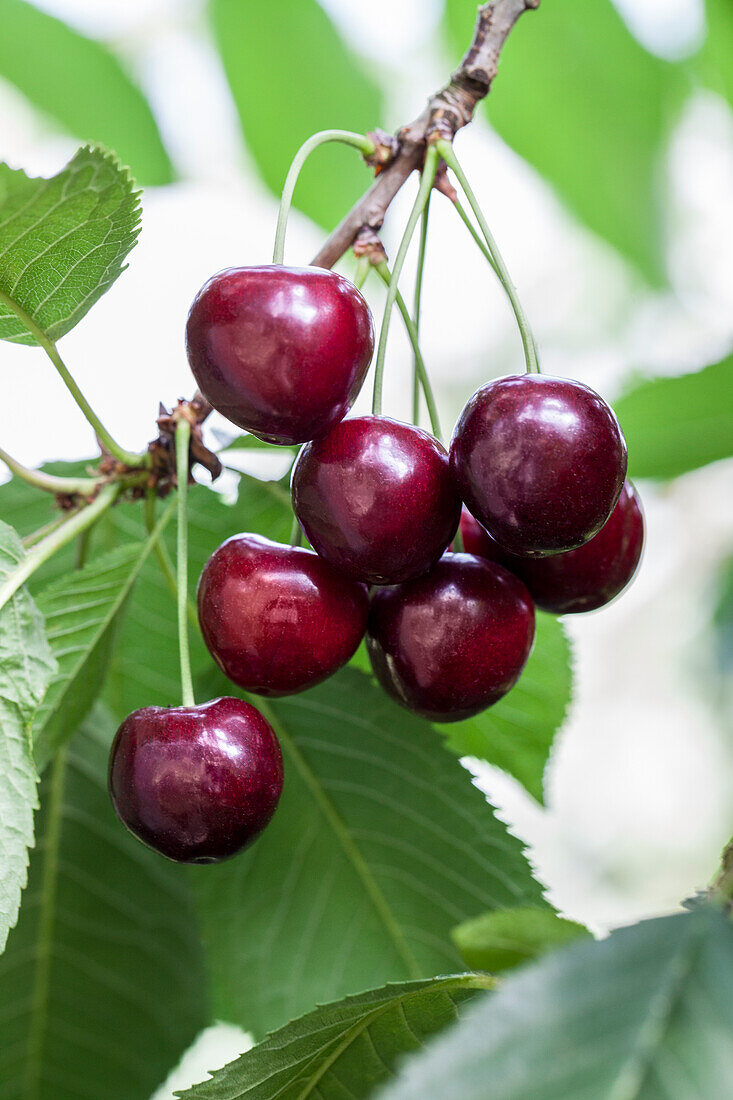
x=196 y=783
x=280 y=351
x=451 y=643
x=278 y=619
x=539 y=461
x=582 y=579
x=376 y=499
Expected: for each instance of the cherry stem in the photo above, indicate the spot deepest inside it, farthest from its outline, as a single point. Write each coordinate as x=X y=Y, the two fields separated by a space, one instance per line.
x=417 y=301
x=57 y=539
x=296 y=533
x=423 y=194
x=50 y=482
x=128 y=458
x=165 y=564
x=363 y=267
x=530 y=349
x=183 y=437
x=420 y=369
x=463 y=215
x=36 y=536
x=346 y=137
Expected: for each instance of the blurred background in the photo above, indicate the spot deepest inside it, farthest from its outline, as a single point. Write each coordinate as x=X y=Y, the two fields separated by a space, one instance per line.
x=604 y=161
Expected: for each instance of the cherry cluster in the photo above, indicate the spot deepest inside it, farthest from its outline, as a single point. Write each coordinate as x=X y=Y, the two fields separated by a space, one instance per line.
x=535 y=479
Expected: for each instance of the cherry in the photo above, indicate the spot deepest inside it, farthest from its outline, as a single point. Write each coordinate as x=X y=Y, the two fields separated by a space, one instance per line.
x=451 y=643
x=196 y=783
x=582 y=579
x=376 y=499
x=539 y=461
x=278 y=619
x=280 y=351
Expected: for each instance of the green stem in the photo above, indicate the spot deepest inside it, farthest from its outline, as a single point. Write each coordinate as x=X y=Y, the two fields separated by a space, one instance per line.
x=165 y=564
x=363 y=267
x=346 y=137
x=463 y=215
x=417 y=304
x=128 y=458
x=49 y=482
x=458 y=541
x=296 y=533
x=530 y=351
x=183 y=437
x=36 y=536
x=76 y=525
x=426 y=185
x=420 y=370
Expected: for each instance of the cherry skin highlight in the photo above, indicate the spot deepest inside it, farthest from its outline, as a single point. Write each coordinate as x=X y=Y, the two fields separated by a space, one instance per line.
x=539 y=461
x=278 y=619
x=451 y=643
x=376 y=499
x=197 y=784
x=579 y=580
x=280 y=351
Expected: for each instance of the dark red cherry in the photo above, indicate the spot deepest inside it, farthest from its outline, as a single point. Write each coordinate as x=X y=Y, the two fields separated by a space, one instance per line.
x=539 y=461
x=376 y=499
x=582 y=579
x=280 y=351
x=451 y=643
x=278 y=619
x=197 y=784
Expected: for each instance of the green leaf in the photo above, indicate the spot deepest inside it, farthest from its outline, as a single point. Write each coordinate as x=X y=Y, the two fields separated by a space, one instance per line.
x=26 y=666
x=590 y=109
x=81 y=85
x=646 y=1014
x=346 y=1048
x=715 y=60
x=264 y=48
x=505 y=939
x=102 y=985
x=63 y=241
x=517 y=733
x=82 y=612
x=380 y=846
x=673 y=425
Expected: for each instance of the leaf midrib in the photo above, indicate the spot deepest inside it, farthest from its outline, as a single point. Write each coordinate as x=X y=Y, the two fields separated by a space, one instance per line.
x=348 y=845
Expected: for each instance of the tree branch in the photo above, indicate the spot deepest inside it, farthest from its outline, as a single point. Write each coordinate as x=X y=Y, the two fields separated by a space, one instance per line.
x=446 y=112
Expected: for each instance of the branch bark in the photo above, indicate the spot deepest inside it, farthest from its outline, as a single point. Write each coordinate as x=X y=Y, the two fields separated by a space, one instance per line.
x=446 y=112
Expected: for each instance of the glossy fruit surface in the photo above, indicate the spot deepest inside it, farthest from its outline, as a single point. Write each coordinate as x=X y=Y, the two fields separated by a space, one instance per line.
x=376 y=499
x=197 y=783
x=281 y=351
x=539 y=461
x=278 y=619
x=451 y=643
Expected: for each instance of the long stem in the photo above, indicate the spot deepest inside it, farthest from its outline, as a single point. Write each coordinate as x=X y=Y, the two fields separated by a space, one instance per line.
x=426 y=185
x=129 y=458
x=49 y=482
x=346 y=137
x=420 y=369
x=530 y=351
x=36 y=536
x=183 y=436
x=76 y=525
x=417 y=304
x=463 y=215
x=167 y=567
x=363 y=267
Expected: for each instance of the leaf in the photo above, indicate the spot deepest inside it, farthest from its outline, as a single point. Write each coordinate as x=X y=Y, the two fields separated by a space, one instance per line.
x=63 y=241
x=508 y=937
x=646 y=1014
x=81 y=85
x=591 y=110
x=715 y=60
x=82 y=612
x=380 y=846
x=673 y=425
x=346 y=1048
x=102 y=985
x=518 y=732
x=26 y=666
x=265 y=48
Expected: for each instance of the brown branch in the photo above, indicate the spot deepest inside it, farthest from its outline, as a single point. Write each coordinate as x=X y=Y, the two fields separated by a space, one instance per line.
x=446 y=112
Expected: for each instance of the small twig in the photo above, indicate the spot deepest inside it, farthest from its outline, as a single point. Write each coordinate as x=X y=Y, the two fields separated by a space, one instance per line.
x=68 y=486
x=446 y=112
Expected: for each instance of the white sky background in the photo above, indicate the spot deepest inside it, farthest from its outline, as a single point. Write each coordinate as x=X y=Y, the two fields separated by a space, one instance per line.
x=640 y=787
